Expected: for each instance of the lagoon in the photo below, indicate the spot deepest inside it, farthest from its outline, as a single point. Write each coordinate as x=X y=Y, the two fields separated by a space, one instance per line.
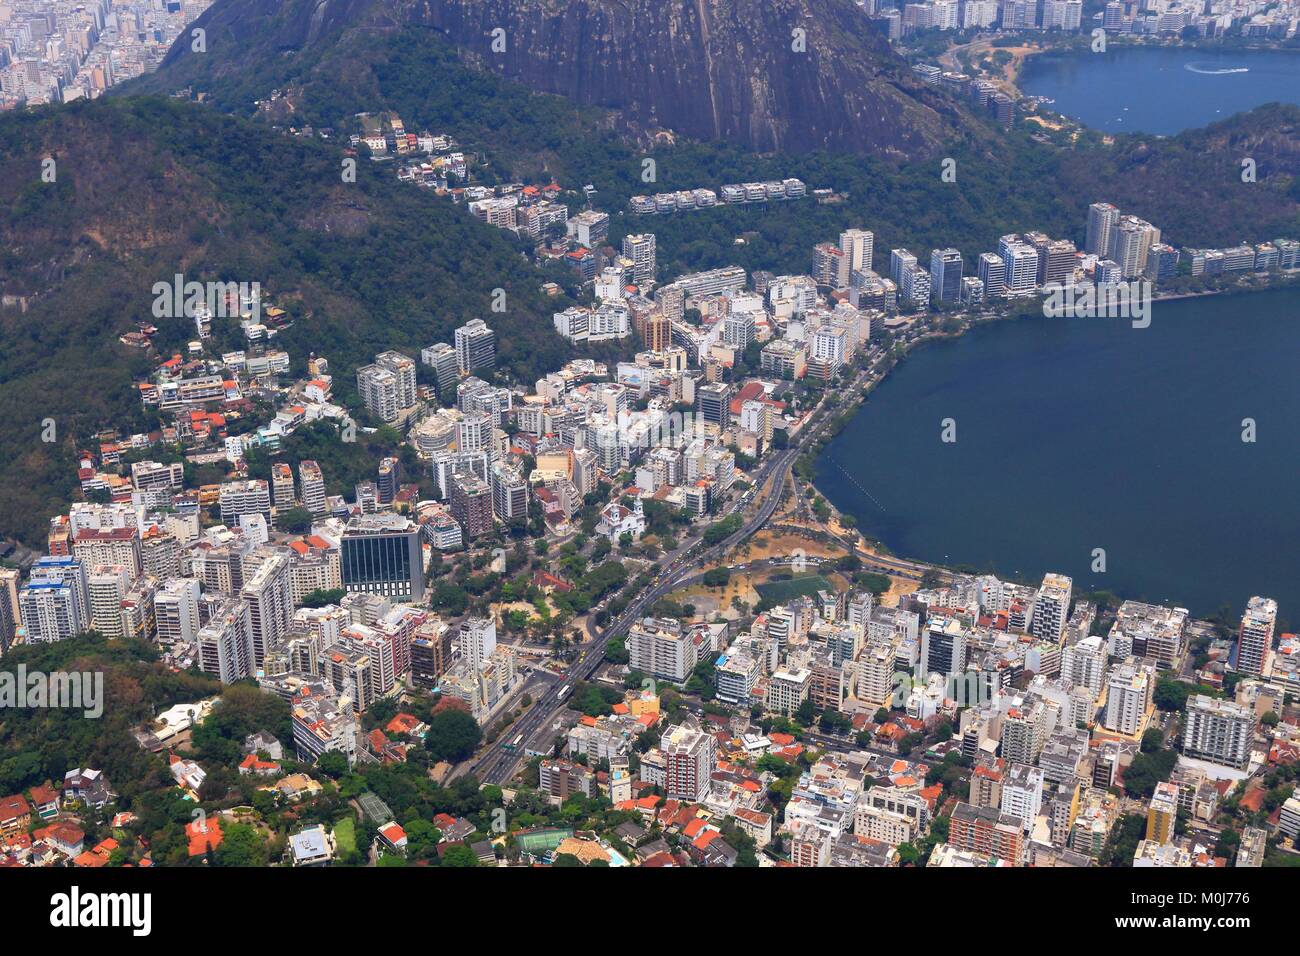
x=1074 y=434
x=1161 y=90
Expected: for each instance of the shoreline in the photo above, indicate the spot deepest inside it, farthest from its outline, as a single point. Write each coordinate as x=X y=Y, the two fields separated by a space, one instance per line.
x=871 y=542
x=1024 y=52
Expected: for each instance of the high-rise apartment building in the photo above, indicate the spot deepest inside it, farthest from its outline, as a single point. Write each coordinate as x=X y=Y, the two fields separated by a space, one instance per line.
x=1021 y=265
x=640 y=248
x=1255 y=635
x=1102 y=220
x=1162 y=812
x=478 y=639
x=1052 y=608
x=238 y=498
x=476 y=347
x=1022 y=794
x=688 y=762
x=54 y=604
x=662 y=648
x=106 y=588
x=1132 y=244
x=313 y=487
x=470 y=501
x=914 y=289
x=226 y=644
x=442 y=358
x=109 y=545
x=1083 y=664
x=830 y=266
x=403 y=369
x=266 y=593
x=10 y=616
x=1024 y=732
x=1128 y=698
x=989 y=832
x=176 y=610
x=282 y=488
x=993 y=273
x=713 y=403
x=1220 y=731
x=900 y=260
x=379 y=389
x=858 y=245
x=945 y=275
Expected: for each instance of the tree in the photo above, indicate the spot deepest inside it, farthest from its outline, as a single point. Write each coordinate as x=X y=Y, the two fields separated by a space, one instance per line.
x=1228 y=842
x=296 y=520
x=452 y=736
x=458 y=854
x=832 y=721
x=321 y=597
x=717 y=577
x=1146 y=770
x=333 y=764
x=241 y=845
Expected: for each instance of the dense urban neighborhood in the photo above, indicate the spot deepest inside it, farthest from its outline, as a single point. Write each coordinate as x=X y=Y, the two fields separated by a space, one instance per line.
x=564 y=584
x=432 y=616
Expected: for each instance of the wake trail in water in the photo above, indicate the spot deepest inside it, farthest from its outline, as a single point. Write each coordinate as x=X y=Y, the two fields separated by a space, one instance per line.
x=1194 y=68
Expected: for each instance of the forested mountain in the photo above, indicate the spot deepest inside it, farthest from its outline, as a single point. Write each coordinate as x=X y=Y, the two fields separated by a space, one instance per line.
x=146 y=188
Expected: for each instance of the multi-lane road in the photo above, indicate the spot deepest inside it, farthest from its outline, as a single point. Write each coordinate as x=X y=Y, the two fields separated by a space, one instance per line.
x=497 y=763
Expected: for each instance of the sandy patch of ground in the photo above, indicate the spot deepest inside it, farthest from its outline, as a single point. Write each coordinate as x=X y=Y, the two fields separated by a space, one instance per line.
x=897 y=588
x=709 y=600
x=1044 y=122
x=766 y=546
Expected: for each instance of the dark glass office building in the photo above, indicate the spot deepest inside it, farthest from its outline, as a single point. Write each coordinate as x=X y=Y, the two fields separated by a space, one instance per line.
x=381 y=555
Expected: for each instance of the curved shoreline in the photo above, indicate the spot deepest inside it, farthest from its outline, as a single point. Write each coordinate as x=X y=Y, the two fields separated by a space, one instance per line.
x=1070 y=47
x=872 y=543
x=1226 y=68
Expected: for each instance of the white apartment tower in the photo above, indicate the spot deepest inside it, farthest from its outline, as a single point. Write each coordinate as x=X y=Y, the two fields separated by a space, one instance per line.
x=640 y=248
x=225 y=643
x=267 y=594
x=1219 y=731
x=1128 y=698
x=476 y=346
x=313 y=487
x=107 y=586
x=478 y=639
x=858 y=245
x=176 y=610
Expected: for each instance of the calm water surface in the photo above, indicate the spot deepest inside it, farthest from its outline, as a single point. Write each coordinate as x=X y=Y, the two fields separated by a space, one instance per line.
x=1159 y=90
x=1076 y=434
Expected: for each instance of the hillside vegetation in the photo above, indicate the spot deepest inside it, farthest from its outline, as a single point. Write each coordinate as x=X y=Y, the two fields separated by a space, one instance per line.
x=146 y=188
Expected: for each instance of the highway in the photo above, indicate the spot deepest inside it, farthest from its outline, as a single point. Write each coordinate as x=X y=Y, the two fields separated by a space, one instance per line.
x=496 y=764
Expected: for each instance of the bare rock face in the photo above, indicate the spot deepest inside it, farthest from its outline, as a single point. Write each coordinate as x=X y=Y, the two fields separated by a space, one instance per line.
x=769 y=74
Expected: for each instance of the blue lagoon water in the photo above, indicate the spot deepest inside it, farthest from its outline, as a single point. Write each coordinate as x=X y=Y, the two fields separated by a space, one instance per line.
x=1161 y=90
x=1076 y=434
